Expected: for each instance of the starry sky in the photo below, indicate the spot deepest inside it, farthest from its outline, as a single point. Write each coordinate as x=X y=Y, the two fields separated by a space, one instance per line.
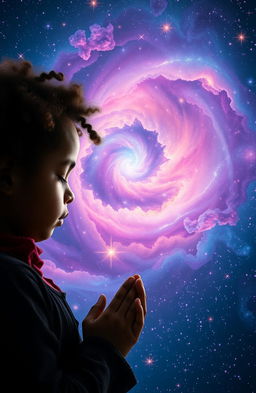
x=170 y=194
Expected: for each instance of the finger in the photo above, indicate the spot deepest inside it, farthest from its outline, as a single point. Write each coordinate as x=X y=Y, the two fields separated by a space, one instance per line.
x=127 y=306
x=128 y=301
x=132 y=308
x=121 y=294
x=139 y=321
x=141 y=294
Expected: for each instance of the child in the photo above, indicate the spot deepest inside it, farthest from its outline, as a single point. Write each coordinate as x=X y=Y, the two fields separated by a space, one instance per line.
x=41 y=349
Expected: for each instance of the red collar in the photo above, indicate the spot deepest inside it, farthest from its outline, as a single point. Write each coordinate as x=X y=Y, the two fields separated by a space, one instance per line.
x=24 y=248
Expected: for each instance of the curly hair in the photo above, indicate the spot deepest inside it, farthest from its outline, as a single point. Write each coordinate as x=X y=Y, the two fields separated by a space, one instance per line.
x=29 y=110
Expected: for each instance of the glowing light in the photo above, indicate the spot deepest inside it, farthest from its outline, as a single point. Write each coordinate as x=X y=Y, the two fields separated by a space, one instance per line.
x=166 y=27
x=241 y=37
x=93 y=3
x=209 y=80
x=210 y=319
x=110 y=253
x=149 y=361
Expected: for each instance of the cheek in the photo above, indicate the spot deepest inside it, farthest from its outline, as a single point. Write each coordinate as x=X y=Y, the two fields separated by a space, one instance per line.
x=42 y=201
x=52 y=203
x=56 y=191
x=50 y=194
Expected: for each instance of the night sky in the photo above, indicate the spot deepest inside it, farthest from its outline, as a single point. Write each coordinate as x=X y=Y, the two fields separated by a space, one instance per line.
x=171 y=192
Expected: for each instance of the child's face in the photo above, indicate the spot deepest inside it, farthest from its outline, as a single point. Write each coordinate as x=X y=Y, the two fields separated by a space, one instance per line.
x=33 y=207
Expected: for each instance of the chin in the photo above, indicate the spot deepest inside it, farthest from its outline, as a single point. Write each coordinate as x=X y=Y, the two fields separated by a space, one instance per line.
x=44 y=236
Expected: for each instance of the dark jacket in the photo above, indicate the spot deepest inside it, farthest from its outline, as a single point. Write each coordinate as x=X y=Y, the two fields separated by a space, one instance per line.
x=41 y=348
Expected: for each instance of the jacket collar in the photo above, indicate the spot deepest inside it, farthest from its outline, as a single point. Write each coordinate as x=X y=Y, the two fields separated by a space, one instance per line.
x=24 y=248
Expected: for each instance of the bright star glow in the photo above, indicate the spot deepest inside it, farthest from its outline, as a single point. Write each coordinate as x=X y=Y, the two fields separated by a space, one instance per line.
x=93 y=3
x=241 y=37
x=149 y=361
x=110 y=253
x=166 y=27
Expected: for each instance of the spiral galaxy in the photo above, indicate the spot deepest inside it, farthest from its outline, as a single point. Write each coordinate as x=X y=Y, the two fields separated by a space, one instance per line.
x=175 y=162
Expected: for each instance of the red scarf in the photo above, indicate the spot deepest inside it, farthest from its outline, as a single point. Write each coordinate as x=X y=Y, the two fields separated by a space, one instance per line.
x=24 y=248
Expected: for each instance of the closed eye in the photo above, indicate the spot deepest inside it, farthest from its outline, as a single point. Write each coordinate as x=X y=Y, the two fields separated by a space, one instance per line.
x=62 y=179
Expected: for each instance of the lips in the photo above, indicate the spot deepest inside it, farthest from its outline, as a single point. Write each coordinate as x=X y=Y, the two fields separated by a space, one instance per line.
x=64 y=215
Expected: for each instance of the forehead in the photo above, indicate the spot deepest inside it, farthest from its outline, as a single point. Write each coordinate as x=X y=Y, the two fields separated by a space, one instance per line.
x=68 y=140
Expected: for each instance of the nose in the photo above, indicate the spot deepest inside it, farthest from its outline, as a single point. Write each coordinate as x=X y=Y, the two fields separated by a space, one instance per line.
x=69 y=195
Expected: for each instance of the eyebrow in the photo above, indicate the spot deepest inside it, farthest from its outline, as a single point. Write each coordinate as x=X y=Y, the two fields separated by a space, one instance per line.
x=68 y=161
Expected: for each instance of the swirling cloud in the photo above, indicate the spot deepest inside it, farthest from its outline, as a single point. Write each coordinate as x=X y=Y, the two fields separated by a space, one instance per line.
x=175 y=162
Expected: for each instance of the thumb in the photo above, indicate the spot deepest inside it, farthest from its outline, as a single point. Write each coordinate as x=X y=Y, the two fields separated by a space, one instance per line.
x=98 y=307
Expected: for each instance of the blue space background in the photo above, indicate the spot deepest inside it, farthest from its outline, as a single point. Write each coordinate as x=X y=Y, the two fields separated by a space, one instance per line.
x=199 y=333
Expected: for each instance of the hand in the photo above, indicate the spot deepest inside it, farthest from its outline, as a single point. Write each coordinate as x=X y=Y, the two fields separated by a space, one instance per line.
x=122 y=321
x=141 y=292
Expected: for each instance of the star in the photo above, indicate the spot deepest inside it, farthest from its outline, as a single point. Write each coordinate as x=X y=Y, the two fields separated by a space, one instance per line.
x=166 y=27
x=93 y=3
x=149 y=361
x=110 y=252
x=241 y=37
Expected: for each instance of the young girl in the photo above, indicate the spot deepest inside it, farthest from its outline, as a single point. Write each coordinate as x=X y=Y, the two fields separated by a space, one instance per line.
x=41 y=349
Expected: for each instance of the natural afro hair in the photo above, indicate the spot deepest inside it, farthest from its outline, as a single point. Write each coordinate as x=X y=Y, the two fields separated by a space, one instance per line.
x=30 y=105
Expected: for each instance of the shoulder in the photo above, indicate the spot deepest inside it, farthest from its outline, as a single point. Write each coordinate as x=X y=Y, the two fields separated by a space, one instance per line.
x=10 y=264
x=16 y=276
